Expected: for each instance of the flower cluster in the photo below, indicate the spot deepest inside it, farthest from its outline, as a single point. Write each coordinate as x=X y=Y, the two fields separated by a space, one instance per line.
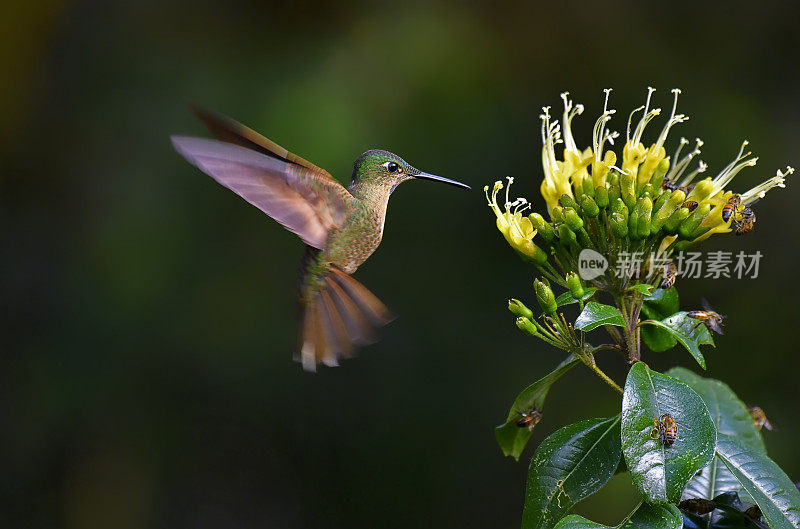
x=641 y=201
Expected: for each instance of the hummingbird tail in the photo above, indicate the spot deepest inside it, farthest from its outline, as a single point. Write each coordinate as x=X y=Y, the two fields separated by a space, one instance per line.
x=343 y=315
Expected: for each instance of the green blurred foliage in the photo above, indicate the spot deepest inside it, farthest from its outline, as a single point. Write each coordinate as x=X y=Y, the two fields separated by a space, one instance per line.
x=149 y=313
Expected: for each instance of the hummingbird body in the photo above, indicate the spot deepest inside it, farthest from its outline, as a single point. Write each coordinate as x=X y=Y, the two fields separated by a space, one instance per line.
x=341 y=227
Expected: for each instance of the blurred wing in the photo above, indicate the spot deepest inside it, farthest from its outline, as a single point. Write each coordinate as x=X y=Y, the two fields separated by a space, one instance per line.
x=231 y=131
x=706 y=305
x=302 y=200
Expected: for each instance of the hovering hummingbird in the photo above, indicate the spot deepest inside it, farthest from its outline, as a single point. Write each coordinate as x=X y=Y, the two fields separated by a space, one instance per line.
x=341 y=226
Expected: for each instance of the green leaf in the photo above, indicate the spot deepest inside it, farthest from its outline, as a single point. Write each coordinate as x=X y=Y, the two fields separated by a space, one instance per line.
x=643 y=517
x=767 y=484
x=688 y=331
x=661 y=304
x=732 y=418
x=571 y=464
x=596 y=314
x=511 y=438
x=665 y=302
x=567 y=299
x=642 y=288
x=659 y=472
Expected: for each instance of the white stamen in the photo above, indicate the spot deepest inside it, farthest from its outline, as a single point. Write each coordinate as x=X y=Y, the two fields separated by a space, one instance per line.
x=673 y=119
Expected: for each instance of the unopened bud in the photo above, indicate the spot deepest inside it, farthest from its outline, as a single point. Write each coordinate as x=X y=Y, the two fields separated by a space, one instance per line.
x=601 y=196
x=613 y=193
x=701 y=191
x=658 y=175
x=674 y=220
x=687 y=228
x=589 y=206
x=519 y=309
x=588 y=187
x=567 y=201
x=544 y=228
x=619 y=226
x=545 y=297
x=527 y=326
x=557 y=214
x=574 y=285
x=645 y=207
x=567 y=236
x=573 y=220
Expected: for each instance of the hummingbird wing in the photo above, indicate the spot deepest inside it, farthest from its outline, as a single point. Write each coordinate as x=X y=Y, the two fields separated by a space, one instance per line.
x=303 y=200
x=231 y=131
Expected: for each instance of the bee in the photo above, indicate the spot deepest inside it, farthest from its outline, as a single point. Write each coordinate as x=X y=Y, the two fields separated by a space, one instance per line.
x=731 y=206
x=669 y=185
x=670 y=273
x=665 y=429
x=753 y=512
x=712 y=320
x=746 y=223
x=530 y=419
x=760 y=418
x=690 y=204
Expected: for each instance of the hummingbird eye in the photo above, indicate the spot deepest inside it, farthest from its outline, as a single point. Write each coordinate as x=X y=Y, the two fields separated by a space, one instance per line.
x=393 y=167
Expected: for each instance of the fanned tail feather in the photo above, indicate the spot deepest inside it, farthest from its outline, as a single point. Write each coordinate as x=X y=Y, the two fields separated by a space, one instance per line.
x=337 y=319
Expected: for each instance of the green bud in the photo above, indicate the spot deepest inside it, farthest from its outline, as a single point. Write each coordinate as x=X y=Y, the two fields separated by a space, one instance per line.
x=674 y=220
x=618 y=206
x=573 y=220
x=612 y=179
x=519 y=309
x=567 y=236
x=669 y=206
x=645 y=207
x=589 y=206
x=648 y=189
x=575 y=286
x=601 y=196
x=633 y=224
x=526 y=325
x=660 y=200
x=619 y=226
x=558 y=214
x=544 y=228
x=658 y=175
x=545 y=297
x=588 y=186
x=614 y=193
x=567 y=201
x=629 y=199
x=690 y=224
x=627 y=186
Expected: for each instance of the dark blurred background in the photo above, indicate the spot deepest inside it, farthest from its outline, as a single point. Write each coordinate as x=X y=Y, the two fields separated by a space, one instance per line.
x=148 y=317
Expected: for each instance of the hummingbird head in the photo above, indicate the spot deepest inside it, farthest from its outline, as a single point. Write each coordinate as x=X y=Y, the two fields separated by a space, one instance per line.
x=383 y=168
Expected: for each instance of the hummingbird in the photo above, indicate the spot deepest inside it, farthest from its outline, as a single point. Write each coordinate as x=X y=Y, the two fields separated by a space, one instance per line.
x=340 y=226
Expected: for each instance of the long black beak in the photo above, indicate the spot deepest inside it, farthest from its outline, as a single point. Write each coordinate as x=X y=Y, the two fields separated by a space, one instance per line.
x=428 y=176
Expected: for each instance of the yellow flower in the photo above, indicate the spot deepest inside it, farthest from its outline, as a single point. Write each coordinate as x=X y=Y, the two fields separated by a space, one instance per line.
x=517 y=229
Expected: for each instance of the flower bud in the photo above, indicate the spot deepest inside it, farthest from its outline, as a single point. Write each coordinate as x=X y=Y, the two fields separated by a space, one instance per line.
x=687 y=228
x=519 y=309
x=601 y=196
x=567 y=236
x=674 y=220
x=658 y=175
x=573 y=220
x=619 y=226
x=613 y=178
x=613 y=193
x=618 y=206
x=575 y=286
x=557 y=214
x=567 y=201
x=647 y=189
x=544 y=228
x=627 y=187
x=645 y=207
x=633 y=224
x=545 y=297
x=588 y=187
x=527 y=326
x=589 y=206
x=660 y=200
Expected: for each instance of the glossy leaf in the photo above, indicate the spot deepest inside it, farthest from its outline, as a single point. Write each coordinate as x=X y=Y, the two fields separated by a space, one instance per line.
x=688 y=331
x=512 y=438
x=642 y=288
x=596 y=314
x=571 y=464
x=767 y=484
x=660 y=472
x=643 y=517
x=665 y=301
x=655 y=338
x=731 y=417
x=567 y=299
